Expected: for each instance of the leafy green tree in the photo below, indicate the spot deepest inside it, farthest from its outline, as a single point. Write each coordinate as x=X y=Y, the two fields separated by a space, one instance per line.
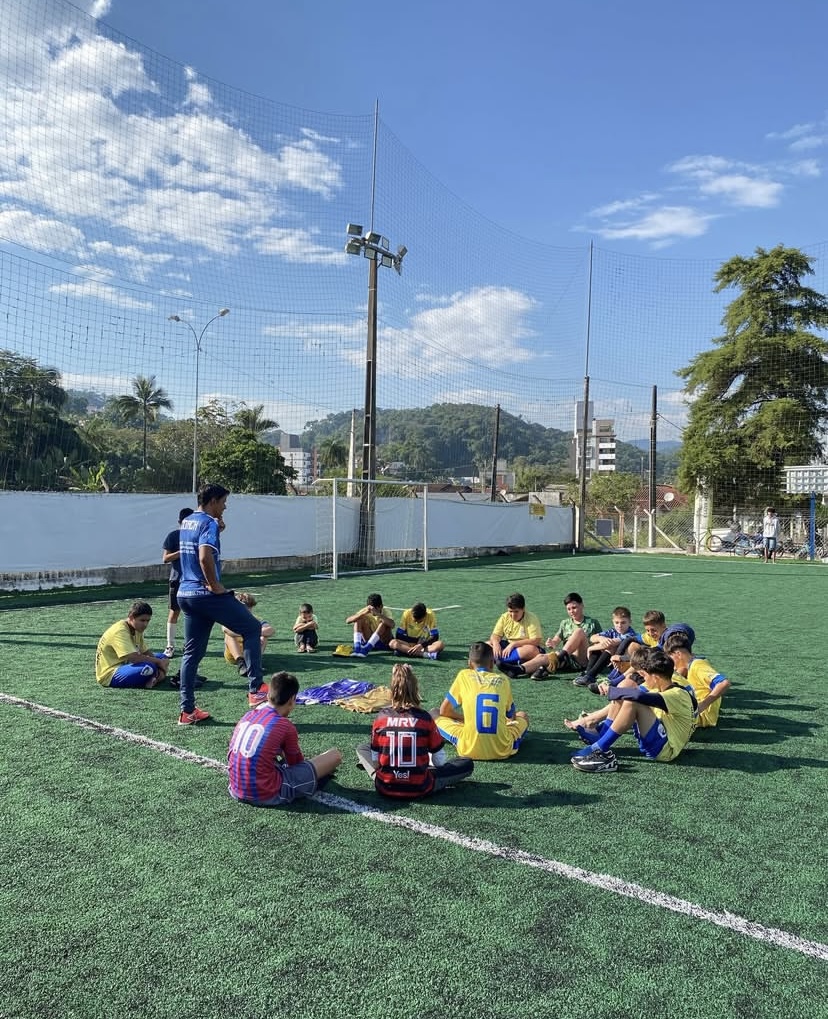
x=760 y=395
x=253 y=419
x=143 y=405
x=333 y=454
x=34 y=436
x=244 y=464
x=612 y=492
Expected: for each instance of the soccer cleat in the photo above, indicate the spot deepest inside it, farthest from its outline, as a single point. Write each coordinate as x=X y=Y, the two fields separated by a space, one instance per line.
x=193 y=717
x=596 y=761
x=541 y=673
x=242 y=667
x=169 y=651
x=259 y=697
x=594 y=688
x=583 y=680
x=511 y=670
x=360 y=652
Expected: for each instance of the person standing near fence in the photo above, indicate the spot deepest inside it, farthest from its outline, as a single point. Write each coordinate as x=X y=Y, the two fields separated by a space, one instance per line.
x=770 y=534
x=204 y=600
x=170 y=555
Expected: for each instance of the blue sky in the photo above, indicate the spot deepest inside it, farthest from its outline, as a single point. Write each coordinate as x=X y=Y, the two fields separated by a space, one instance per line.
x=671 y=136
x=700 y=126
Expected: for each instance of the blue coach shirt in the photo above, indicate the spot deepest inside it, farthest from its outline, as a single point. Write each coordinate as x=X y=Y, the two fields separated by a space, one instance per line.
x=196 y=530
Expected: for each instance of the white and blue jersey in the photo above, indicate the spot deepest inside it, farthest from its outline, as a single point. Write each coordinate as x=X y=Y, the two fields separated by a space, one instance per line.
x=196 y=530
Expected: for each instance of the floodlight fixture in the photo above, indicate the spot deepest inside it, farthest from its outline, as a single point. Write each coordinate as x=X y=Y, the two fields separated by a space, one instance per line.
x=373 y=238
x=354 y=230
x=387 y=260
x=402 y=251
x=354 y=246
x=370 y=253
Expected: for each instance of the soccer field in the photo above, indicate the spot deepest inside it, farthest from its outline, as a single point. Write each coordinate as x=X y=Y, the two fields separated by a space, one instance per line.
x=133 y=885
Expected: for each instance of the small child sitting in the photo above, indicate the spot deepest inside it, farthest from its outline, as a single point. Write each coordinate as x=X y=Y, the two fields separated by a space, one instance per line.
x=233 y=642
x=305 y=629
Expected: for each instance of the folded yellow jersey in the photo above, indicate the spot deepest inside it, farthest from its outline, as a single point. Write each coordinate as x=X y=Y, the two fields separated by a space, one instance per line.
x=366 y=703
x=343 y=650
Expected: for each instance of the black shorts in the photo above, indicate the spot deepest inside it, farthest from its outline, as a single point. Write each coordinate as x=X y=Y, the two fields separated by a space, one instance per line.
x=173 y=600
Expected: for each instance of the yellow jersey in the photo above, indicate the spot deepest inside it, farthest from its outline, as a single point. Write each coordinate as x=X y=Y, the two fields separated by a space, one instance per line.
x=487 y=732
x=529 y=627
x=703 y=677
x=116 y=643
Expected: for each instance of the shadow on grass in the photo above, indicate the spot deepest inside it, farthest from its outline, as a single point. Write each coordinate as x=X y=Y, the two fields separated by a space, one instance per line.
x=471 y=794
x=717 y=758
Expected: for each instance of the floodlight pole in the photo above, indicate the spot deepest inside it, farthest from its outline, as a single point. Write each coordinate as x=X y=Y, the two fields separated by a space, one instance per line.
x=367 y=506
x=198 y=337
x=375 y=248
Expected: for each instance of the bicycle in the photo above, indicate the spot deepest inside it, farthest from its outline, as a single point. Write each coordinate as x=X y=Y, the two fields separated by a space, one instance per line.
x=736 y=542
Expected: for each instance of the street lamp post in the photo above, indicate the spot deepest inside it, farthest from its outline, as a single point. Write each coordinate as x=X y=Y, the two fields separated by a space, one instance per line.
x=198 y=338
x=375 y=248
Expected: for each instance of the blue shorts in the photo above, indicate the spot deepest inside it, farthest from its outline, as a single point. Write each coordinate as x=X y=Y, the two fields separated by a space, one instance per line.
x=513 y=655
x=127 y=676
x=653 y=741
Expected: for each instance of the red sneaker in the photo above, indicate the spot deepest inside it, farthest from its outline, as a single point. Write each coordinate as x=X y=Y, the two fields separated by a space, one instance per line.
x=259 y=697
x=192 y=717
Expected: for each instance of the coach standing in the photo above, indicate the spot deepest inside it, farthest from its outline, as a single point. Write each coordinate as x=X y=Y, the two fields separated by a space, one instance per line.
x=205 y=601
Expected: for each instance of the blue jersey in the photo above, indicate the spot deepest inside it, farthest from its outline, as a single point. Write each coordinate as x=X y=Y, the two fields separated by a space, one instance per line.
x=614 y=634
x=196 y=530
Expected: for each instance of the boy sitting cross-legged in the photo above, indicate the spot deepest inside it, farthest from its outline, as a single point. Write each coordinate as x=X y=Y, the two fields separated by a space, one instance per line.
x=477 y=714
x=372 y=627
x=417 y=635
x=603 y=645
x=660 y=714
x=265 y=765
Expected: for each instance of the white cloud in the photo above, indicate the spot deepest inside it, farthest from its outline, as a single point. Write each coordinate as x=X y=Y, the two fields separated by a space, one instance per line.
x=806 y=168
x=96 y=290
x=802 y=137
x=187 y=177
x=661 y=226
x=745 y=191
x=106 y=384
x=626 y=205
x=739 y=184
x=488 y=322
x=40 y=233
x=294 y=245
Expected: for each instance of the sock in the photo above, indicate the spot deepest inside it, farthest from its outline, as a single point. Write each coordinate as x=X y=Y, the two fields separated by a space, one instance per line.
x=595 y=663
x=588 y=737
x=357 y=639
x=430 y=654
x=373 y=640
x=603 y=725
x=606 y=739
x=171 y=634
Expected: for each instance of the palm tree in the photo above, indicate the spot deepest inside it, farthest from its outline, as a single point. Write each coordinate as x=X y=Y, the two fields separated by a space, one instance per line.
x=252 y=419
x=333 y=453
x=145 y=404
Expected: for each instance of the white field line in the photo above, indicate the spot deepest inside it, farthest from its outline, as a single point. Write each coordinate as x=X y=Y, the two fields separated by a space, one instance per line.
x=604 y=882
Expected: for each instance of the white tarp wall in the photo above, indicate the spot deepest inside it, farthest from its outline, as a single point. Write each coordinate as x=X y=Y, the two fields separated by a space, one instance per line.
x=58 y=531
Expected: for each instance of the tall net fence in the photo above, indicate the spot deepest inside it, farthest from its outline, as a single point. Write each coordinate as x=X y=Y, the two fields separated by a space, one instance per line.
x=139 y=199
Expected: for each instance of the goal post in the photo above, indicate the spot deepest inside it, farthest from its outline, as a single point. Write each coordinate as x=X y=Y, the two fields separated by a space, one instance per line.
x=376 y=526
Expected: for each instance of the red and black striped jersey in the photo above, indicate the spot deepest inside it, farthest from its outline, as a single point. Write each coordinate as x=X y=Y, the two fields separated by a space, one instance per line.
x=404 y=740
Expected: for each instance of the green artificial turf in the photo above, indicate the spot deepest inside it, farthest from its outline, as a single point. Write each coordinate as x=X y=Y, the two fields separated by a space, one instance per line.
x=133 y=885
